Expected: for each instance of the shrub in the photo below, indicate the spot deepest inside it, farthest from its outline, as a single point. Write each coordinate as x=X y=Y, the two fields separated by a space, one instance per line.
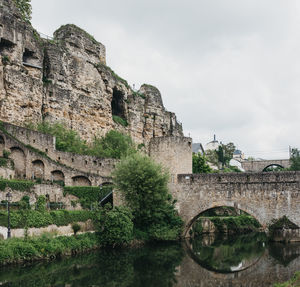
x=41 y=204
x=116 y=226
x=76 y=227
x=3 y=162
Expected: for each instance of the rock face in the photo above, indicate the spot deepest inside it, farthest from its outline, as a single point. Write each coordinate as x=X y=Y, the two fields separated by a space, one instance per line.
x=66 y=79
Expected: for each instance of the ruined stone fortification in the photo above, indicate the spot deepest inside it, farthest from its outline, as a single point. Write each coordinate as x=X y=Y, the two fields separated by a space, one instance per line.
x=66 y=79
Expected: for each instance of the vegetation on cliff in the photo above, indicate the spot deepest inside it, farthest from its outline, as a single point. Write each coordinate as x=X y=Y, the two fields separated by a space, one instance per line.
x=25 y=9
x=143 y=185
x=113 y=145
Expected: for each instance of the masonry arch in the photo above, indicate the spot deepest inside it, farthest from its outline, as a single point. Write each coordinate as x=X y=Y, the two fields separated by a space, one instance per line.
x=19 y=158
x=38 y=169
x=81 y=180
x=2 y=145
x=273 y=167
x=57 y=175
x=194 y=217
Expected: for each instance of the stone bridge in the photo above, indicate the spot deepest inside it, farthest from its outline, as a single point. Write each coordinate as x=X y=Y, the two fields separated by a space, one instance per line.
x=261 y=165
x=265 y=196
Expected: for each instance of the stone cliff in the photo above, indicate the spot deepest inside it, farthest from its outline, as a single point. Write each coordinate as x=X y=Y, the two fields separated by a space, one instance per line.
x=66 y=79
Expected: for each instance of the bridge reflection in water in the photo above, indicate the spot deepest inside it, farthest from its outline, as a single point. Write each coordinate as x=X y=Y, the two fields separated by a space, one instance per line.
x=245 y=260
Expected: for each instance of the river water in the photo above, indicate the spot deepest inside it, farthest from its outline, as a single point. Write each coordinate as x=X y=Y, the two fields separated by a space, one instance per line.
x=241 y=261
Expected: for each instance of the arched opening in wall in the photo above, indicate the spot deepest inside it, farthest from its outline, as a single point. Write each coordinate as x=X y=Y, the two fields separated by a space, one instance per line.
x=226 y=239
x=2 y=145
x=273 y=167
x=18 y=156
x=118 y=104
x=38 y=169
x=106 y=193
x=57 y=176
x=81 y=180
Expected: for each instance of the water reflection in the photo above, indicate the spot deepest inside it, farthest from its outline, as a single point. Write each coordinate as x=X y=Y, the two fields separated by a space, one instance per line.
x=225 y=253
x=224 y=262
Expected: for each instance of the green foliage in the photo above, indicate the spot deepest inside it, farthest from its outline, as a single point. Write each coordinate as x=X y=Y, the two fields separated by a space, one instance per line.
x=76 y=227
x=115 y=226
x=6 y=153
x=33 y=218
x=66 y=139
x=144 y=186
x=20 y=185
x=25 y=9
x=137 y=94
x=120 y=121
x=221 y=156
x=113 y=145
x=199 y=164
x=41 y=204
x=17 y=249
x=293 y=282
x=3 y=162
x=295 y=159
x=5 y=60
x=88 y=194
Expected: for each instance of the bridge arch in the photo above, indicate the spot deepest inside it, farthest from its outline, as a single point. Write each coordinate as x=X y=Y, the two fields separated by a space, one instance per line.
x=271 y=165
x=197 y=214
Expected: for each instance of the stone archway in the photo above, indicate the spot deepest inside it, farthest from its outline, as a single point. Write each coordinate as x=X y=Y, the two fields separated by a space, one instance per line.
x=19 y=158
x=81 y=180
x=38 y=169
x=57 y=175
x=2 y=145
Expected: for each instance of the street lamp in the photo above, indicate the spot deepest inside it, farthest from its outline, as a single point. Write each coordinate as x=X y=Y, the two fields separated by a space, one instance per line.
x=8 y=198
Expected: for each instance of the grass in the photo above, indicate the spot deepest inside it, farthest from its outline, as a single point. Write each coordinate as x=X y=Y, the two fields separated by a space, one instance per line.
x=120 y=121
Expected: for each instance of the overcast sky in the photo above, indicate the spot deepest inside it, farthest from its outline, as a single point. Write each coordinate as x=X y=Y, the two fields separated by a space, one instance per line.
x=225 y=67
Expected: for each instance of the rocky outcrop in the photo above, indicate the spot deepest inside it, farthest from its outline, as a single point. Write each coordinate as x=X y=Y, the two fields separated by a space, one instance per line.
x=66 y=79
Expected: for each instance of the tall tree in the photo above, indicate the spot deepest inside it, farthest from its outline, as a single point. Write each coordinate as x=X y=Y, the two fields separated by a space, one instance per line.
x=295 y=159
x=25 y=9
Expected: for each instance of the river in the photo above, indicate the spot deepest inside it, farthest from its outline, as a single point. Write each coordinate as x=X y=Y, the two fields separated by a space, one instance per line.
x=241 y=261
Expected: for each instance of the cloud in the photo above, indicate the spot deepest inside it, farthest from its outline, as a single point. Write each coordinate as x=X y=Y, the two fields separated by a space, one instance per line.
x=226 y=67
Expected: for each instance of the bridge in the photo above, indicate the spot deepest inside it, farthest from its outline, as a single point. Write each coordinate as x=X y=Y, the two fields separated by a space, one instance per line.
x=261 y=165
x=265 y=196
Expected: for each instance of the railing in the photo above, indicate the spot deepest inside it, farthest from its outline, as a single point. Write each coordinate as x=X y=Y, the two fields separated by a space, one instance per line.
x=44 y=36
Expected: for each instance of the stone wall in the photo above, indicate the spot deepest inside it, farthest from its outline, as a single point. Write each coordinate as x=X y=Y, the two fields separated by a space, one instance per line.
x=54 y=229
x=265 y=196
x=66 y=80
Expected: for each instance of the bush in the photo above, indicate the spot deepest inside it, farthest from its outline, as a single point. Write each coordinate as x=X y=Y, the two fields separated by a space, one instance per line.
x=6 y=153
x=41 y=204
x=116 y=226
x=3 y=162
x=120 y=121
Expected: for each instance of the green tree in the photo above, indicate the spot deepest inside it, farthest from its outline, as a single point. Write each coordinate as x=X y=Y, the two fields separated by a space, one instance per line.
x=25 y=9
x=295 y=159
x=221 y=156
x=199 y=164
x=143 y=184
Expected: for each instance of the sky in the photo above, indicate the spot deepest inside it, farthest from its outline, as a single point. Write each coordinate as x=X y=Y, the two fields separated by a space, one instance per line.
x=225 y=67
